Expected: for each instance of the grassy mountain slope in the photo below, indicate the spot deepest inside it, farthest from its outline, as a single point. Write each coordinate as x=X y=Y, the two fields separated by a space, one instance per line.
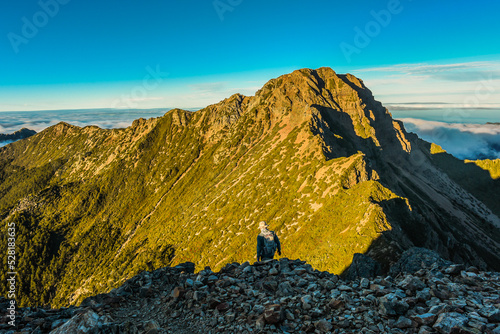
x=312 y=153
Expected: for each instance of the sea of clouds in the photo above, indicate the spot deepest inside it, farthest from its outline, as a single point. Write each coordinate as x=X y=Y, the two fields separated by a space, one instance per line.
x=464 y=141
x=104 y=118
x=11 y=121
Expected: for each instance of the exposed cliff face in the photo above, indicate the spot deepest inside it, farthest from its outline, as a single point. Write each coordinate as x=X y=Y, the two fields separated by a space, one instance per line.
x=312 y=153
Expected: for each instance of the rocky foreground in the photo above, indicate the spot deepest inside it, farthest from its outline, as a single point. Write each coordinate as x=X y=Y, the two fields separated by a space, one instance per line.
x=422 y=294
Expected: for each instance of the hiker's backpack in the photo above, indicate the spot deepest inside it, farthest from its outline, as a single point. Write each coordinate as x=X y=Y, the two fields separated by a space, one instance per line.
x=269 y=246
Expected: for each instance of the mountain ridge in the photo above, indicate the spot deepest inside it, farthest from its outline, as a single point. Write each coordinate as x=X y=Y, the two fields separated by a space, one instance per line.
x=312 y=152
x=17 y=135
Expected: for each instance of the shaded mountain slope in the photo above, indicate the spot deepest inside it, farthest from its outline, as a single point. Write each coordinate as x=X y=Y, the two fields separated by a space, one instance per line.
x=312 y=153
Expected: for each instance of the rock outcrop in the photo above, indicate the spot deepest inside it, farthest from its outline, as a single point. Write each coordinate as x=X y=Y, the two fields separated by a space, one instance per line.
x=415 y=259
x=285 y=296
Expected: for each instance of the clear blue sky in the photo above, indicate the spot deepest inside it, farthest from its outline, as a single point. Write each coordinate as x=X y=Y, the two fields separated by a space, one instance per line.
x=89 y=54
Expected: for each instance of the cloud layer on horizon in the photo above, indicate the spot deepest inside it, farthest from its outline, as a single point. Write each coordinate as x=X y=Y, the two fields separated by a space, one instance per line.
x=103 y=118
x=464 y=141
x=11 y=122
x=467 y=84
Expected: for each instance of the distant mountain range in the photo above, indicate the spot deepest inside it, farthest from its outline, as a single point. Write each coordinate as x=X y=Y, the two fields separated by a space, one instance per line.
x=21 y=134
x=313 y=153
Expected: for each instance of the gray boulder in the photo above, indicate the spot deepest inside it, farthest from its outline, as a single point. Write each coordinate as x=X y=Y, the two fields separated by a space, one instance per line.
x=417 y=258
x=448 y=321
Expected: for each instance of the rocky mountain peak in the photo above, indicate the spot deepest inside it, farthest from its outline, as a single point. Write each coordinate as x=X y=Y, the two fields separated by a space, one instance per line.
x=338 y=106
x=321 y=86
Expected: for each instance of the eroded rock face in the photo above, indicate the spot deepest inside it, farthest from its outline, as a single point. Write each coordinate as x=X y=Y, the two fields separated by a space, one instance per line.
x=285 y=296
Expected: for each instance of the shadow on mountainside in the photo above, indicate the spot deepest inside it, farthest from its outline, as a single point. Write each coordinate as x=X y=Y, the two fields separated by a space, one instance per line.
x=409 y=229
x=471 y=177
x=425 y=225
x=340 y=136
x=381 y=119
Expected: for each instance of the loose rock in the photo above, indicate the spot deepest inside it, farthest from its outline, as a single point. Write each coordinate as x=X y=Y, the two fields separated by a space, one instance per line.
x=292 y=298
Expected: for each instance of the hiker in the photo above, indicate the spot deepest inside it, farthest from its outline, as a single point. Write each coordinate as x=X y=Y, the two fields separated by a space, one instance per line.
x=267 y=243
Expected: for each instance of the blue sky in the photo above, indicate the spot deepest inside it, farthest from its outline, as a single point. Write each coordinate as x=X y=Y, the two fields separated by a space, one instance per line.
x=71 y=54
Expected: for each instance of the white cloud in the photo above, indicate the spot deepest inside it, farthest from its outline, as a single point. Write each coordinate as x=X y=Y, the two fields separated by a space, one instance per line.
x=104 y=118
x=424 y=68
x=471 y=84
x=464 y=141
x=431 y=105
